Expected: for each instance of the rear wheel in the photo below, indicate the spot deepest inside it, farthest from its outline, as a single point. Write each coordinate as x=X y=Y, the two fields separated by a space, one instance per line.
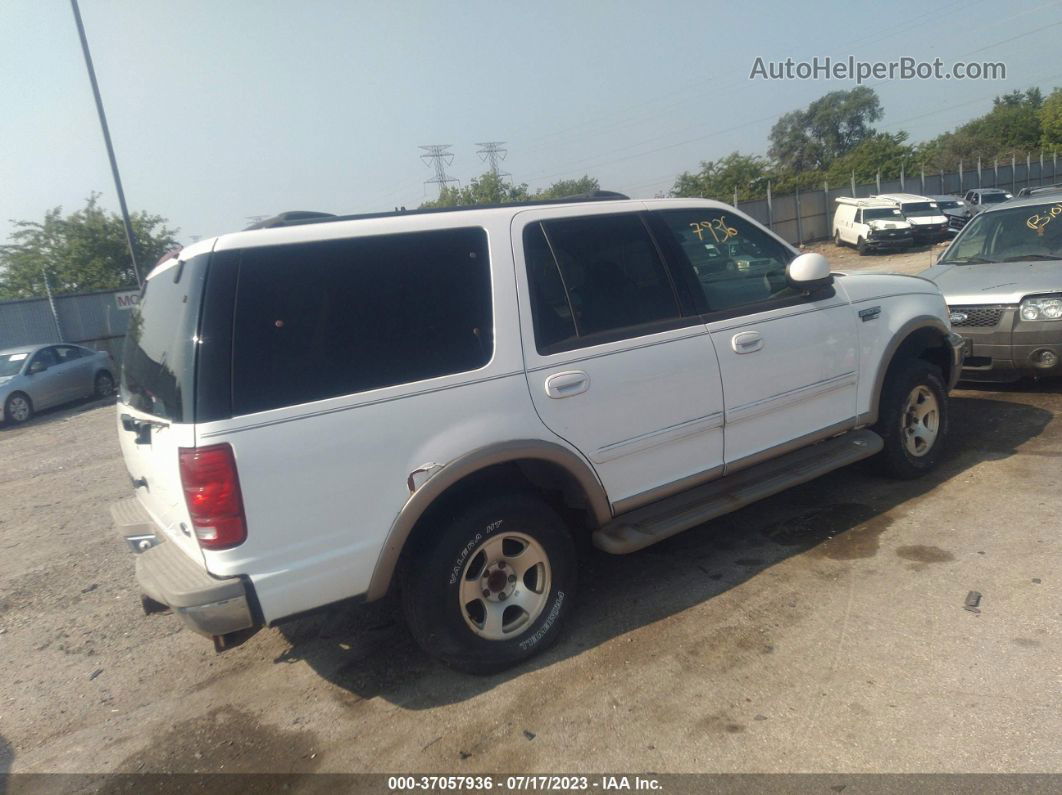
x=913 y=419
x=492 y=587
x=837 y=238
x=18 y=408
x=104 y=384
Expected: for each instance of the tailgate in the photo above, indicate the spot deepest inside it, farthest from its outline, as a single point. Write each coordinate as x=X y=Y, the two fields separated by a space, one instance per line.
x=153 y=466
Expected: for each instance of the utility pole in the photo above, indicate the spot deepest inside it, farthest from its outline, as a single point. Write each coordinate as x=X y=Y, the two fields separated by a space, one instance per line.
x=438 y=158
x=492 y=154
x=130 y=238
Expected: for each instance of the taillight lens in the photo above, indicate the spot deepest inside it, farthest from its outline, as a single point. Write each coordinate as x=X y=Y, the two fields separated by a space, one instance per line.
x=212 y=492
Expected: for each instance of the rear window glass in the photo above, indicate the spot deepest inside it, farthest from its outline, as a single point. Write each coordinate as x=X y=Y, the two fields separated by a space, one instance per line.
x=158 y=357
x=337 y=317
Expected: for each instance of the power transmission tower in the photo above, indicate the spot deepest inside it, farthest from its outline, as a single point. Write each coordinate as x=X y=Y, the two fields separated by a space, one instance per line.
x=439 y=158
x=492 y=154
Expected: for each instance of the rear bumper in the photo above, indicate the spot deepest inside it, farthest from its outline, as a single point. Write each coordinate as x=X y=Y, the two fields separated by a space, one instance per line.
x=212 y=606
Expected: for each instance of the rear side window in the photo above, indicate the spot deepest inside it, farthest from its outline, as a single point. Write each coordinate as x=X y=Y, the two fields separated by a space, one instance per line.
x=596 y=279
x=158 y=356
x=337 y=317
x=67 y=353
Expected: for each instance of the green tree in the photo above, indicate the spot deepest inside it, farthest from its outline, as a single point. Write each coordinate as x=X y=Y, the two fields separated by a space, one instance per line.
x=568 y=187
x=717 y=179
x=487 y=188
x=882 y=152
x=83 y=251
x=1051 y=121
x=828 y=128
x=1013 y=126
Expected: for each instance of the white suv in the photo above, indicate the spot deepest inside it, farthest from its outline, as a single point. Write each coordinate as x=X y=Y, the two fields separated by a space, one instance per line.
x=445 y=401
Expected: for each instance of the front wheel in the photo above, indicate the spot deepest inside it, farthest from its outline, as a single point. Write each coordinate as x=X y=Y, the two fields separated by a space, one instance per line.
x=491 y=587
x=18 y=409
x=861 y=246
x=912 y=419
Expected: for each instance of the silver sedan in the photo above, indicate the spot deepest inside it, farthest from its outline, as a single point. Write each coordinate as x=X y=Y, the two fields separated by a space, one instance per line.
x=36 y=377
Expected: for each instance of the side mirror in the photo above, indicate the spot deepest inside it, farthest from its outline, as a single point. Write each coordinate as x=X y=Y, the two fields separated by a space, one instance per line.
x=37 y=367
x=809 y=272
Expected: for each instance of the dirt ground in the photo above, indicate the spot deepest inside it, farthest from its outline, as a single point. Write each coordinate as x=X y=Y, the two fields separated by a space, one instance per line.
x=821 y=630
x=911 y=261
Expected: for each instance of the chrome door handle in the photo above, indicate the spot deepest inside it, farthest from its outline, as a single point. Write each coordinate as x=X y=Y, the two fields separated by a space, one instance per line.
x=746 y=342
x=567 y=384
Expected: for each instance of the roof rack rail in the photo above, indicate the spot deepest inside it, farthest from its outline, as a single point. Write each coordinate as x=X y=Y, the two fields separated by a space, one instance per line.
x=299 y=217
x=289 y=218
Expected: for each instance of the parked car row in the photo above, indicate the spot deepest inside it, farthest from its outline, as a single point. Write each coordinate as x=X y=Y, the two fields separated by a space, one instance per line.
x=899 y=220
x=888 y=221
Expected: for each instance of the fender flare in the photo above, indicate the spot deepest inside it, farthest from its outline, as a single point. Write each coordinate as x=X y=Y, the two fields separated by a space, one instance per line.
x=918 y=323
x=459 y=469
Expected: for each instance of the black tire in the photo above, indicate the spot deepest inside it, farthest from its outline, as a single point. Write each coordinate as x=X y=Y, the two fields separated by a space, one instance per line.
x=861 y=246
x=898 y=427
x=837 y=238
x=104 y=384
x=433 y=576
x=11 y=408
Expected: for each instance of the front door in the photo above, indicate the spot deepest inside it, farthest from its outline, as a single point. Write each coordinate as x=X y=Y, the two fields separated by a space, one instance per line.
x=788 y=359
x=614 y=365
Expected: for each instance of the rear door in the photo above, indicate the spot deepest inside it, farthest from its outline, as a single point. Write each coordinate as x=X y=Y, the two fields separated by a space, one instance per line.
x=157 y=391
x=72 y=366
x=614 y=364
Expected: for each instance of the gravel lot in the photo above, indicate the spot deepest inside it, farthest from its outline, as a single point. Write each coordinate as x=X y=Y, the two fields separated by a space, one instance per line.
x=820 y=630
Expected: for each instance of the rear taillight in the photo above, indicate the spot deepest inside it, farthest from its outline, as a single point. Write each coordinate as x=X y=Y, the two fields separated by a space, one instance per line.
x=212 y=491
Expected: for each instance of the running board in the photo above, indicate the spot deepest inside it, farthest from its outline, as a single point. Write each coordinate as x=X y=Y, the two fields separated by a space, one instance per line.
x=655 y=522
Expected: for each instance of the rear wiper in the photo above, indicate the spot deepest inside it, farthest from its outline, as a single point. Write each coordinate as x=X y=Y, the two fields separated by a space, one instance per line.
x=967 y=260
x=1031 y=256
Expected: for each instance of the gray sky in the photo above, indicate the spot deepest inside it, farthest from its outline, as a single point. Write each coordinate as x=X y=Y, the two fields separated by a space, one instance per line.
x=223 y=110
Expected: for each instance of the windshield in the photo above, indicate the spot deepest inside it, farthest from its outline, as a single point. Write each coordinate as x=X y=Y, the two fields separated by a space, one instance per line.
x=11 y=363
x=1033 y=232
x=994 y=198
x=949 y=205
x=882 y=214
x=920 y=209
x=159 y=353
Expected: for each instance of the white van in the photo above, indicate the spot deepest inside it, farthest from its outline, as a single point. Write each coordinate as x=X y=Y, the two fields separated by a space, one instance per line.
x=870 y=225
x=928 y=221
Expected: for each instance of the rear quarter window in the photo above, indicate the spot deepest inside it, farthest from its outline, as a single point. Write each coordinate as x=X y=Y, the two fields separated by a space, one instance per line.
x=329 y=318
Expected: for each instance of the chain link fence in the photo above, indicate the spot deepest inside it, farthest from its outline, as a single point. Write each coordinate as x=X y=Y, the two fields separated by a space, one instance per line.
x=807 y=216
